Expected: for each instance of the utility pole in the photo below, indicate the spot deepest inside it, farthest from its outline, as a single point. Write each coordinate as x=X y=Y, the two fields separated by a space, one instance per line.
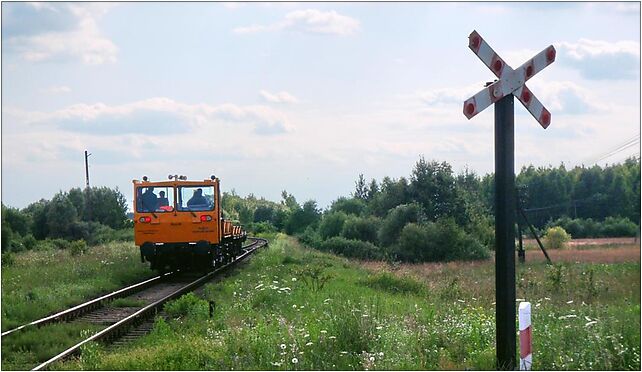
x=87 y=189
x=86 y=169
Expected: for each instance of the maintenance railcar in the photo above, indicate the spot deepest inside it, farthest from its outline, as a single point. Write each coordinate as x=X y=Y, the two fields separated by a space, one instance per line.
x=178 y=224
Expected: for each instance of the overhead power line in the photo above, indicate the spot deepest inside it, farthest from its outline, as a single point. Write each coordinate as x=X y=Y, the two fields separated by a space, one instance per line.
x=621 y=147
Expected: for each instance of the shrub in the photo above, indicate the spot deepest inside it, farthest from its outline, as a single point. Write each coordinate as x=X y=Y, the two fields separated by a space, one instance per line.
x=352 y=248
x=361 y=228
x=332 y=224
x=437 y=241
x=556 y=238
x=58 y=243
x=616 y=227
x=310 y=237
x=8 y=259
x=396 y=219
x=77 y=247
x=589 y=228
x=29 y=242
x=262 y=228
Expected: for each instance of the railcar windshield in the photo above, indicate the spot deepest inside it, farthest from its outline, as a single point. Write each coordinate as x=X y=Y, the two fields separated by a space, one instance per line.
x=195 y=198
x=154 y=199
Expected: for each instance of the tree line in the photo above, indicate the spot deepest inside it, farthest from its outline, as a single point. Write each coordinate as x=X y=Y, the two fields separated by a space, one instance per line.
x=95 y=215
x=431 y=215
x=435 y=214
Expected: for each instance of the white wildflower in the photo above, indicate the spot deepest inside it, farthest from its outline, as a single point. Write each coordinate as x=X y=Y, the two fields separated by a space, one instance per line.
x=295 y=360
x=294 y=306
x=259 y=286
x=324 y=331
x=294 y=279
x=590 y=323
x=379 y=327
x=306 y=335
x=308 y=344
x=372 y=359
x=569 y=302
x=283 y=346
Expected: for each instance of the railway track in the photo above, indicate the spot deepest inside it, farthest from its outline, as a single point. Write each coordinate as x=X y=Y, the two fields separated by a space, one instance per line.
x=154 y=293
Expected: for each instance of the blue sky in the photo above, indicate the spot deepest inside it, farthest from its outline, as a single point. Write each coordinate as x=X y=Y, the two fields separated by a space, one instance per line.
x=298 y=96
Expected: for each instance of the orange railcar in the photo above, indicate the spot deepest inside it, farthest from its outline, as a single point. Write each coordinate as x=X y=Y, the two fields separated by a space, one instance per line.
x=179 y=224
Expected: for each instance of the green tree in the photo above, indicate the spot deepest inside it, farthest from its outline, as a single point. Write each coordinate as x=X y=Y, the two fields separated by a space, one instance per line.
x=61 y=214
x=332 y=224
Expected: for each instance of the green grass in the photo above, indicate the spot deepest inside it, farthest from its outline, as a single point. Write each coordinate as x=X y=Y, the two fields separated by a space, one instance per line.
x=39 y=283
x=268 y=317
x=28 y=348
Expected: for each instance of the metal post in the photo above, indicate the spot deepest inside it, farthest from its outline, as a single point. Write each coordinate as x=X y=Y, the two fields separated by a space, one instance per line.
x=505 y=233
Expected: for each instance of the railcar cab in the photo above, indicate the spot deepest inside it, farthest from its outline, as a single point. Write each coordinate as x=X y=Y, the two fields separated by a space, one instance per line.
x=177 y=223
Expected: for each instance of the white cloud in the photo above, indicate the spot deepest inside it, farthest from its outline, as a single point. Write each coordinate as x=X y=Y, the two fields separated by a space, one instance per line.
x=309 y=20
x=597 y=60
x=78 y=38
x=57 y=89
x=566 y=98
x=160 y=116
x=279 y=97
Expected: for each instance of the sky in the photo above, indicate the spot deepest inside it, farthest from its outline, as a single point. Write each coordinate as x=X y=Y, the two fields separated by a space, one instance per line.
x=300 y=97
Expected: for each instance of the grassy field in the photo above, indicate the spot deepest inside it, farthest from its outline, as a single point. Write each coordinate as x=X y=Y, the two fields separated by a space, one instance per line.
x=39 y=283
x=292 y=308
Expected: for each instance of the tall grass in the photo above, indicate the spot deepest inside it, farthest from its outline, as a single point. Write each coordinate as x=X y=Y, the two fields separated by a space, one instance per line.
x=267 y=318
x=38 y=283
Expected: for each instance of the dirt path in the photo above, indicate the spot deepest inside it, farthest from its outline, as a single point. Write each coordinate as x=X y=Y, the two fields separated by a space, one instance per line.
x=594 y=241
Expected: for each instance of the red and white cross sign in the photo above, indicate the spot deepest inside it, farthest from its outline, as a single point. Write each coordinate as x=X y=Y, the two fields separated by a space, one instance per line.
x=510 y=81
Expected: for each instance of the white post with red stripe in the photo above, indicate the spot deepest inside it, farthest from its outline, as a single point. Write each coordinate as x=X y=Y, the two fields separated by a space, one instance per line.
x=525 y=342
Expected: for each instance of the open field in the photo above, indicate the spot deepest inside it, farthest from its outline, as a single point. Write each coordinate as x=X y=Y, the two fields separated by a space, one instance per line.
x=294 y=308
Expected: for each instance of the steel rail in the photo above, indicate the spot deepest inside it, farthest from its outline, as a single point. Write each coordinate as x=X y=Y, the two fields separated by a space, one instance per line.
x=82 y=308
x=123 y=324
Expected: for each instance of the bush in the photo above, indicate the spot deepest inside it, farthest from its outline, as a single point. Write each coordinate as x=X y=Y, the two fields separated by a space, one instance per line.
x=7 y=259
x=29 y=242
x=310 y=237
x=617 y=227
x=361 y=228
x=396 y=219
x=437 y=241
x=332 y=224
x=611 y=227
x=352 y=248
x=77 y=247
x=556 y=238
x=58 y=243
x=262 y=228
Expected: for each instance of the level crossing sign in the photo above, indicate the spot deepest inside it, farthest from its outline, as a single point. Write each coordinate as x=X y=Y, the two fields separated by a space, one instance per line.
x=511 y=83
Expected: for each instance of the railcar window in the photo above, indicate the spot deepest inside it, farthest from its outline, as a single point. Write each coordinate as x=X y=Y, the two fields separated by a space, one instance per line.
x=195 y=198
x=155 y=199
